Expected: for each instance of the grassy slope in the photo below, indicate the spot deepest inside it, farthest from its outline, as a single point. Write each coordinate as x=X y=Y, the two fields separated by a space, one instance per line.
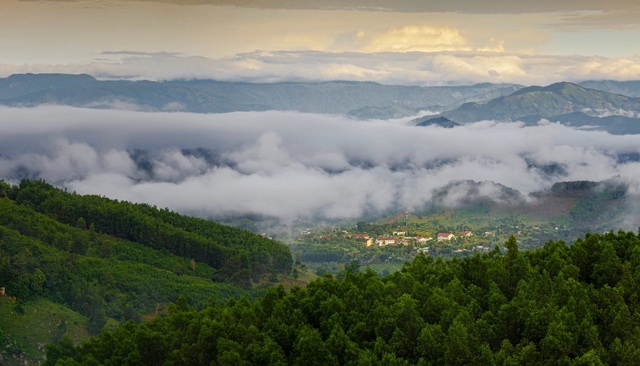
x=43 y=322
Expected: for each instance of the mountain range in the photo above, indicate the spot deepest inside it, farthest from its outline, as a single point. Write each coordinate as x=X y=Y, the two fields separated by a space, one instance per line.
x=567 y=103
x=364 y=100
x=613 y=106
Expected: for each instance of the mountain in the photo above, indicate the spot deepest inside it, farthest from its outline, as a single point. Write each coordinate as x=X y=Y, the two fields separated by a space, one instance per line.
x=438 y=121
x=564 y=102
x=72 y=264
x=19 y=85
x=629 y=88
x=490 y=95
x=357 y=99
x=614 y=124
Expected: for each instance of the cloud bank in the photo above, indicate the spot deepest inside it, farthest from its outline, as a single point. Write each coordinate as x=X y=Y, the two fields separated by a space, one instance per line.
x=292 y=165
x=400 y=68
x=458 y=6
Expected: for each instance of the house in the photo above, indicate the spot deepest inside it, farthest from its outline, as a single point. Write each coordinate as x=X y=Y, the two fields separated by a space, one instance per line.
x=422 y=240
x=399 y=233
x=365 y=238
x=481 y=249
x=382 y=241
x=445 y=236
x=359 y=236
x=466 y=234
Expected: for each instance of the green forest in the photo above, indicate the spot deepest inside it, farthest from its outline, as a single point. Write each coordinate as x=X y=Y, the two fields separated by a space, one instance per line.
x=157 y=288
x=109 y=262
x=558 y=305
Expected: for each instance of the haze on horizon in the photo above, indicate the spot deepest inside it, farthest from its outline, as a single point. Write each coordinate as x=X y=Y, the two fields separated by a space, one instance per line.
x=403 y=42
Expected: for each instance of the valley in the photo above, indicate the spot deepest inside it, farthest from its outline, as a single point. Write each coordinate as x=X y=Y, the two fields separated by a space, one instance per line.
x=263 y=206
x=566 y=212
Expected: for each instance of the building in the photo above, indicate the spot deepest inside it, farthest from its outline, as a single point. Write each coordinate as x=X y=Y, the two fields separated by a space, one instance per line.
x=382 y=241
x=359 y=236
x=422 y=240
x=364 y=237
x=466 y=234
x=446 y=236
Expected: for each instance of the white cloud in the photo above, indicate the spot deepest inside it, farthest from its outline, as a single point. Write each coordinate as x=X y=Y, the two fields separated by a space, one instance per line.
x=290 y=165
x=415 y=38
x=472 y=7
x=413 y=68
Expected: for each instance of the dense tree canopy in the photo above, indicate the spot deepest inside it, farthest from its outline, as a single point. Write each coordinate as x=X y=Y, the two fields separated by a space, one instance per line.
x=236 y=254
x=559 y=305
x=110 y=259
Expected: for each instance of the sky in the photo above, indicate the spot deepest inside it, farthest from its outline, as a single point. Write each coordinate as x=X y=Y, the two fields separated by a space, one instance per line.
x=413 y=42
x=289 y=165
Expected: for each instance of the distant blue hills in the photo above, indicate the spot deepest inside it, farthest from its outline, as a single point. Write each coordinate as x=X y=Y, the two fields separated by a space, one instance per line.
x=610 y=105
x=363 y=100
x=567 y=103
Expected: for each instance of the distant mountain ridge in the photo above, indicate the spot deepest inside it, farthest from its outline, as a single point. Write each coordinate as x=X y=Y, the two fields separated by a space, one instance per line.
x=563 y=102
x=438 y=121
x=598 y=104
x=629 y=88
x=362 y=100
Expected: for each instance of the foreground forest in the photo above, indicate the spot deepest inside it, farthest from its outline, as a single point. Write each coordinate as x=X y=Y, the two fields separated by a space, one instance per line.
x=558 y=305
x=74 y=264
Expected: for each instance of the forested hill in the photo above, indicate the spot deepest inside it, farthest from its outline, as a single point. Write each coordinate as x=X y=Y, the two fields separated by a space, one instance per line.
x=71 y=265
x=237 y=255
x=558 y=305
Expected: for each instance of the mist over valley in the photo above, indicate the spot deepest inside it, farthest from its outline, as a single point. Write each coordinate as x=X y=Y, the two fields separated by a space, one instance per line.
x=224 y=182
x=293 y=166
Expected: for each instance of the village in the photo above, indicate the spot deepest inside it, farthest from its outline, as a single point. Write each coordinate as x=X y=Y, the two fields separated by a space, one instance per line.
x=421 y=243
x=387 y=244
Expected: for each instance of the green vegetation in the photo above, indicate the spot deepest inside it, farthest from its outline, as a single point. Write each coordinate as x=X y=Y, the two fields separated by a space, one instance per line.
x=29 y=327
x=565 y=212
x=235 y=254
x=557 y=305
x=74 y=266
x=108 y=262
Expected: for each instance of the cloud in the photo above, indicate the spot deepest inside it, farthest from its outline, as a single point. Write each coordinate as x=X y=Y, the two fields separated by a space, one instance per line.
x=420 y=38
x=586 y=14
x=458 y=6
x=291 y=165
x=408 y=68
x=417 y=38
x=623 y=18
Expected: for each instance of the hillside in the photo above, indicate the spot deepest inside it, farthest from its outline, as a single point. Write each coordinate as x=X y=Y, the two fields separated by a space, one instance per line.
x=564 y=102
x=561 y=304
x=101 y=262
x=629 y=88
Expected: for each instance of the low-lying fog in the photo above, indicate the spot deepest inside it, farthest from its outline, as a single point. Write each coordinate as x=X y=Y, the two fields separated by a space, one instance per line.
x=290 y=165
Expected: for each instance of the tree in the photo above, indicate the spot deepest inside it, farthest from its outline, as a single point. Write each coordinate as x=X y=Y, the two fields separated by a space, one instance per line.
x=457 y=350
x=430 y=343
x=192 y=264
x=37 y=280
x=310 y=350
